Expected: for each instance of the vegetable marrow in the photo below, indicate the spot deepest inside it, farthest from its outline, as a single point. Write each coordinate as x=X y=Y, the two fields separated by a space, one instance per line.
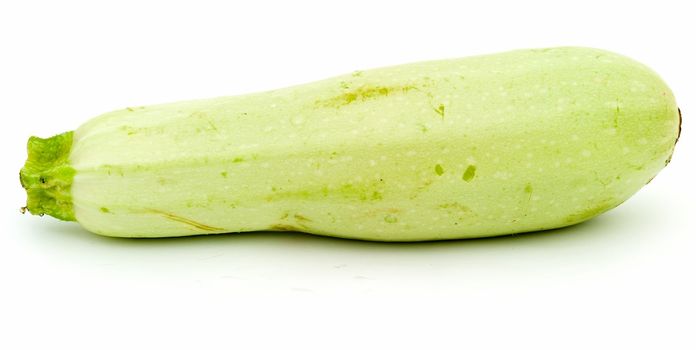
x=489 y=145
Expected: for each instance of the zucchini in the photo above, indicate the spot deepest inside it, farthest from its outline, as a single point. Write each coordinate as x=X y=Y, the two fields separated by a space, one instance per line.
x=489 y=145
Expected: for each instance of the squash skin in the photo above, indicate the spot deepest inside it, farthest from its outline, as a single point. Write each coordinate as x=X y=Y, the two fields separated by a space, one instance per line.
x=490 y=145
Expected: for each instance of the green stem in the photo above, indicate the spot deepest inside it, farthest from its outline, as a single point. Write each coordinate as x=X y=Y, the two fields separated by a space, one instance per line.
x=47 y=176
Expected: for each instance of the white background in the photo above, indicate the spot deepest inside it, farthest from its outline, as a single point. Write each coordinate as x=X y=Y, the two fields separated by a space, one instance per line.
x=622 y=280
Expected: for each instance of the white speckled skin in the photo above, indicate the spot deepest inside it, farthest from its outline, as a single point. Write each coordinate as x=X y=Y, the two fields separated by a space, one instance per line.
x=481 y=146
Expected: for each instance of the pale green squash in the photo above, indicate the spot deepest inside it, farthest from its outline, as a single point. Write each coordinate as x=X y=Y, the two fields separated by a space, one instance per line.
x=481 y=146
